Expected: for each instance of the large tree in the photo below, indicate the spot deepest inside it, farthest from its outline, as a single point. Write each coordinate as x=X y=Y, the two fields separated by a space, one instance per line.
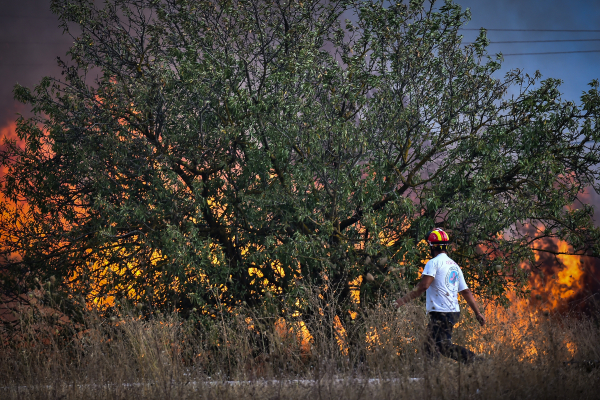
x=204 y=152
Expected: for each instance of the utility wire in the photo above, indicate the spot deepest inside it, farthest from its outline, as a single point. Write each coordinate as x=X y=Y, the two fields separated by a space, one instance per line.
x=541 y=41
x=504 y=55
x=531 y=30
x=491 y=42
x=57 y=42
x=551 y=52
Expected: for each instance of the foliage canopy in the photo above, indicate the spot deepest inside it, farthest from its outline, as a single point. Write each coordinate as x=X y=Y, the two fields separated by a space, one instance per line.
x=198 y=153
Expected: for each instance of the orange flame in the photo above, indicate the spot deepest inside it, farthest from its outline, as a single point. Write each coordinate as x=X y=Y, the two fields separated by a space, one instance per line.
x=298 y=334
x=559 y=283
x=518 y=328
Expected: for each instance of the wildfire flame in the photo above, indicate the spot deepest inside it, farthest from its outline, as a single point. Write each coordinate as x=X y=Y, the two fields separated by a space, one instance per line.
x=557 y=283
x=518 y=328
x=552 y=290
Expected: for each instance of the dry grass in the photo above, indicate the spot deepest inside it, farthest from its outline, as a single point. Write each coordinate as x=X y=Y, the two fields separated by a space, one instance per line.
x=254 y=355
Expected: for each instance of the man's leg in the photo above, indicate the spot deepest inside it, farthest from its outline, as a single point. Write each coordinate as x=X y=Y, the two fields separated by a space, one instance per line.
x=434 y=333
x=445 y=345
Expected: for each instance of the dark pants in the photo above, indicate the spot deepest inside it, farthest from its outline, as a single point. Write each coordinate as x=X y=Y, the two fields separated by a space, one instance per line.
x=439 y=340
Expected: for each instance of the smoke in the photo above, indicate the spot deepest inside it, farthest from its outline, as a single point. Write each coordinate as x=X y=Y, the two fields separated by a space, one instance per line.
x=30 y=41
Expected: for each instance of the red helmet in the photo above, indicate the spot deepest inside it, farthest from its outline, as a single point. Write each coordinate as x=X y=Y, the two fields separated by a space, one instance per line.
x=438 y=237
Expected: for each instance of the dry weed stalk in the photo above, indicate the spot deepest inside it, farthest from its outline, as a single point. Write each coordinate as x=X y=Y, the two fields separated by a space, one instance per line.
x=318 y=354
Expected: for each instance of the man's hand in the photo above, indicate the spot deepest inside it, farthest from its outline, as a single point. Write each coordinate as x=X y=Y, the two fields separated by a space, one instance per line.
x=480 y=318
x=468 y=296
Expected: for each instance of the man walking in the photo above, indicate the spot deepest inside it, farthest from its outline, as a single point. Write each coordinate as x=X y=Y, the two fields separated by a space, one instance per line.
x=443 y=279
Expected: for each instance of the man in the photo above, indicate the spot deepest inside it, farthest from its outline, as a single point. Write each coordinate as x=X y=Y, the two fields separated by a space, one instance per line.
x=443 y=279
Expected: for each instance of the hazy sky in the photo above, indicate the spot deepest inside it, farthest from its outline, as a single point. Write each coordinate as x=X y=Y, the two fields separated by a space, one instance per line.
x=30 y=41
x=576 y=70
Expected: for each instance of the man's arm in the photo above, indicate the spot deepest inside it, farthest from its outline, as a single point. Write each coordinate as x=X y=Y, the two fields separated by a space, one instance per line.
x=421 y=287
x=468 y=296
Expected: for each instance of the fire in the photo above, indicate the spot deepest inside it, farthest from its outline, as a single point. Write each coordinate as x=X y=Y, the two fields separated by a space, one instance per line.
x=560 y=280
x=297 y=333
x=7 y=132
x=568 y=279
x=558 y=283
x=521 y=328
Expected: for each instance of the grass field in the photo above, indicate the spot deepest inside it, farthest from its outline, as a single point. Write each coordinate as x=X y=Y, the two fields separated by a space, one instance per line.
x=376 y=356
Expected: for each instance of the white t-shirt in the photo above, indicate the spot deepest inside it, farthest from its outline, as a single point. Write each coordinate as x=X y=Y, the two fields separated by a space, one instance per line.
x=448 y=280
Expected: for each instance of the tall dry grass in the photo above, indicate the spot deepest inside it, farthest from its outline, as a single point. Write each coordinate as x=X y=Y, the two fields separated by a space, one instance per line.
x=254 y=354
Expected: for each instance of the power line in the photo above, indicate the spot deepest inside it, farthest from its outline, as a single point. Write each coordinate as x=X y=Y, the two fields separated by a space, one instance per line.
x=531 y=30
x=541 y=41
x=491 y=42
x=504 y=55
x=58 y=42
x=552 y=52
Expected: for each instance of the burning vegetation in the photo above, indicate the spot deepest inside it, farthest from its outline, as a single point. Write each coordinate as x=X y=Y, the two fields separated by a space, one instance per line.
x=563 y=282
